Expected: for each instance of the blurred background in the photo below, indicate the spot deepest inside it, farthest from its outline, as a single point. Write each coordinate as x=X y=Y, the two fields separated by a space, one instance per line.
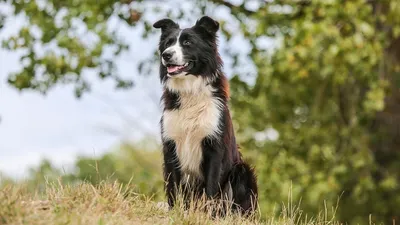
x=315 y=96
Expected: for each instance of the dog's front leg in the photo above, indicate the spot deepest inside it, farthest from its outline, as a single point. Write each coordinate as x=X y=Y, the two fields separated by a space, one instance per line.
x=212 y=162
x=172 y=174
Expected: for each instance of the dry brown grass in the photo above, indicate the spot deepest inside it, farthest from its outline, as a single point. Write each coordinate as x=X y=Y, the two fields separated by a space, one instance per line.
x=110 y=203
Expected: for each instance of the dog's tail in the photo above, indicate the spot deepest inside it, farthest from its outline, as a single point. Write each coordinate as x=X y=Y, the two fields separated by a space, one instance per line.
x=244 y=190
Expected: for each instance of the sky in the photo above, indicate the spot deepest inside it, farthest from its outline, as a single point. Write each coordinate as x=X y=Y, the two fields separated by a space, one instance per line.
x=60 y=127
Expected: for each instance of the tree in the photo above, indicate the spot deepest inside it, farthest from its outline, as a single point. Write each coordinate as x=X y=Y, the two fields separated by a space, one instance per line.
x=330 y=88
x=63 y=39
x=331 y=91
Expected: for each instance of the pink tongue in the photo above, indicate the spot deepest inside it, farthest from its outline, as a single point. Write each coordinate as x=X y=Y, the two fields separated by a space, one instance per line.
x=172 y=69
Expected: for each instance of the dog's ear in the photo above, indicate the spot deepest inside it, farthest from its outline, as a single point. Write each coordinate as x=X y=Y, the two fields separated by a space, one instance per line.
x=207 y=24
x=165 y=24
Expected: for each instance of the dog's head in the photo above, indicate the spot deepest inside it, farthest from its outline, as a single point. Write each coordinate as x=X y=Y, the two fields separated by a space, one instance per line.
x=189 y=51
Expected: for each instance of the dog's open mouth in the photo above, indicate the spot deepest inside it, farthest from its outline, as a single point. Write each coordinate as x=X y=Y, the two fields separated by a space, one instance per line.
x=176 y=69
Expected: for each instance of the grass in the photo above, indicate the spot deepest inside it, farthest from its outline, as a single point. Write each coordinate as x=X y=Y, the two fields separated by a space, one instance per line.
x=112 y=203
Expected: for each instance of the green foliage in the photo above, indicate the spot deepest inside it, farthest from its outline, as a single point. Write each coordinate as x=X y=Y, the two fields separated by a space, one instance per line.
x=141 y=167
x=330 y=89
x=322 y=91
x=63 y=39
x=137 y=166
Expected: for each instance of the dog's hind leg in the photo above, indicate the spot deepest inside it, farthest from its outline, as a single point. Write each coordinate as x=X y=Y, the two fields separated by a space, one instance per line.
x=244 y=188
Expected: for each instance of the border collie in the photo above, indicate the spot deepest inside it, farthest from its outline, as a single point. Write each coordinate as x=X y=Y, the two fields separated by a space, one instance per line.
x=199 y=146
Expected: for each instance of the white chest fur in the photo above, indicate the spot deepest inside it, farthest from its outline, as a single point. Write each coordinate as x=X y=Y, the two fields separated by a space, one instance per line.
x=197 y=117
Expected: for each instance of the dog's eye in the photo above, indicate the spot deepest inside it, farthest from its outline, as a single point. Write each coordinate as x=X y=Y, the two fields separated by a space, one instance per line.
x=186 y=42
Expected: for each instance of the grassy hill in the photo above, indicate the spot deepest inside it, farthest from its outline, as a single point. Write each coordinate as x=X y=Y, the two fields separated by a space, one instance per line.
x=112 y=203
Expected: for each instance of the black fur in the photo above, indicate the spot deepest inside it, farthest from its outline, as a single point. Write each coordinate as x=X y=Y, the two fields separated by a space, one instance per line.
x=222 y=166
x=171 y=100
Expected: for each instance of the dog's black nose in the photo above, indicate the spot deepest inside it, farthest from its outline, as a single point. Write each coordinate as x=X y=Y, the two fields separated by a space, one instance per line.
x=166 y=56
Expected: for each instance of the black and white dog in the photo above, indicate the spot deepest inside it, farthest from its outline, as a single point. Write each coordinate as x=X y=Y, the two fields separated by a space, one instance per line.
x=199 y=146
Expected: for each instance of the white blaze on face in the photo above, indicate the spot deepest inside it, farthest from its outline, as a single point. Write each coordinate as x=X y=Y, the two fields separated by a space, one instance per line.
x=176 y=51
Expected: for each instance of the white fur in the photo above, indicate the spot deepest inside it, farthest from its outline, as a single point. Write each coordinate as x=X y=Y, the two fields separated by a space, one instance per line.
x=197 y=117
x=183 y=83
x=177 y=52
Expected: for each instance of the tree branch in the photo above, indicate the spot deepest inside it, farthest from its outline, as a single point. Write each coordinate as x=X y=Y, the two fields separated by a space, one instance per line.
x=233 y=7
